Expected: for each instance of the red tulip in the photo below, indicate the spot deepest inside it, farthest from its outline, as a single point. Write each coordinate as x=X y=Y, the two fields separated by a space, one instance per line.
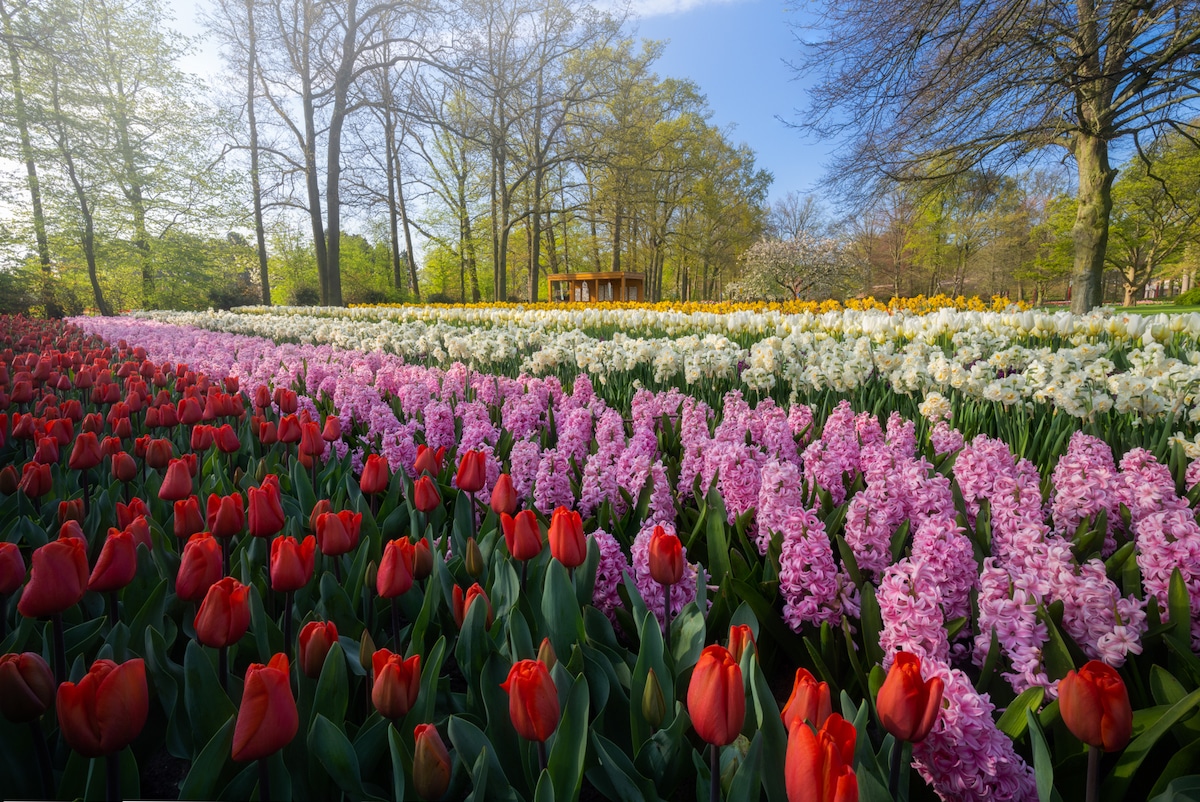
x=117 y=564
x=741 y=638
x=908 y=706
x=338 y=533
x=375 y=476
x=12 y=568
x=9 y=481
x=226 y=439
x=431 y=763
x=226 y=516
x=26 y=687
x=333 y=429
x=267 y=720
x=532 y=700
x=504 y=496
x=397 y=683
x=522 y=535
x=266 y=508
x=177 y=484
x=810 y=701
x=462 y=604
x=1094 y=704
x=716 y=697
x=425 y=495
x=224 y=615
x=268 y=433
x=85 y=454
x=71 y=510
x=320 y=508
x=159 y=453
x=60 y=429
x=292 y=563
x=395 y=576
x=286 y=400
x=72 y=529
x=422 y=560
x=819 y=765
x=567 y=543
x=124 y=469
x=203 y=437
x=139 y=527
x=107 y=710
x=188 y=520
x=47 y=452
x=200 y=567
x=36 y=480
x=316 y=639
x=666 y=557
x=262 y=396
x=428 y=460
x=127 y=513
x=472 y=472
x=311 y=444
x=289 y=429
x=58 y=579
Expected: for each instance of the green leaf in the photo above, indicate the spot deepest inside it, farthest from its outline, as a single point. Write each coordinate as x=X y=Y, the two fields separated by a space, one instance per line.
x=1117 y=784
x=469 y=740
x=560 y=611
x=687 y=637
x=872 y=623
x=399 y=764
x=1186 y=759
x=201 y=780
x=623 y=778
x=1043 y=768
x=1014 y=721
x=333 y=749
x=774 y=736
x=718 y=540
x=1184 y=789
x=1179 y=607
x=333 y=688
x=566 y=760
x=208 y=708
x=746 y=785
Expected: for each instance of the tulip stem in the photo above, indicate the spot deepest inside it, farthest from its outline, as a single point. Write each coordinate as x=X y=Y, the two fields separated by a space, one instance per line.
x=60 y=650
x=112 y=609
x=894 y=769
x=43 y=757
x=396 y=625
x=714 y=768
x=112 y=776
x=3 y=616
x=1093 y=775
x=223 y=667
x=85 y=473
x=287 y=623
x=666 y=619
x=541 y=750
x=225 y=542
x=264 y=779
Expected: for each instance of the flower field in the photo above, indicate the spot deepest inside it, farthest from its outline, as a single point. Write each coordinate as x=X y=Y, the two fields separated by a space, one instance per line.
x=438 y=553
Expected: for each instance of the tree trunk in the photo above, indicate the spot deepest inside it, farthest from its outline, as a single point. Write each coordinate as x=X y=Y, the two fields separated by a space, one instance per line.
x=49 y=304
x=1090 y=233
x=389 y=141
x=616 y=241
x=535 y=238
x=466 y=241
x=260 y=234
x=311 y=182
x=1130 y=295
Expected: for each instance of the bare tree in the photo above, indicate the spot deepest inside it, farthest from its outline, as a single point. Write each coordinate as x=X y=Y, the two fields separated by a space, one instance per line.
x=928 y=89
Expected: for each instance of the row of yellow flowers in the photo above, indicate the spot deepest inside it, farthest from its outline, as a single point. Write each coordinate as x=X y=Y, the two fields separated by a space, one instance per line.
x=919 y=304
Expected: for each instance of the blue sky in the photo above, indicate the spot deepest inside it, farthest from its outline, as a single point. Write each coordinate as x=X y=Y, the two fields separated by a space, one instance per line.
x=734 y=50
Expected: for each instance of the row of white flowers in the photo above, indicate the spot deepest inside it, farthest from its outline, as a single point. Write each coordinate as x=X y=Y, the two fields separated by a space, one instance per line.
x=1080 y=364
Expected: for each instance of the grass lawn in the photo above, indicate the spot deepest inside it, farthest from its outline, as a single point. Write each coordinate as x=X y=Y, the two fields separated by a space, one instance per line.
x=1154 y=309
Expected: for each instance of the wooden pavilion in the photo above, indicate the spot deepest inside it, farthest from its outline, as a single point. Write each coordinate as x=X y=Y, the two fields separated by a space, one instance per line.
x=597 y=287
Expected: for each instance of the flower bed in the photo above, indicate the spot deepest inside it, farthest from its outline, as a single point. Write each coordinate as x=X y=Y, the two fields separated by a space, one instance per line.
x=334 y=571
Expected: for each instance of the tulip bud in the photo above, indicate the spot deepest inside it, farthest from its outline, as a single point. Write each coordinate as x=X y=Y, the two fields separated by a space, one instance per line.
x=472 y=472
x=316 y=639
x=810 y=701
x=333 y=429
x=397 y=683
x=504 y=496
x=106 y=710
x=70 y=510
x=366 y=649
x=908 y=706
x=425 y=495
x=226 y=515
x=428 y=460
x=12 y=568
x=665 y=557
x=124 y=469
x=292 y=563
x=546 y=653
x=36 y=480
x=422 y=560
x=117 y=564
x=716 y=697
x=311 y=444
x=266 y=508
x=654 y=707
x=462 y=603
x=26 y=687
x=85 y=454
x=224 y=615
x=267 y=720
x=338 y=533
x=473 y=558
x=567 y=543
x=395 y=575
x=178 y=482
x=532 y=700
x=57 y=580
x=188 y=520
x=375 y=476
x=431 y=763
x=1094 y=704
x=199 y=568
x=741 y=638
x=820 y=765
x=522 y=535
